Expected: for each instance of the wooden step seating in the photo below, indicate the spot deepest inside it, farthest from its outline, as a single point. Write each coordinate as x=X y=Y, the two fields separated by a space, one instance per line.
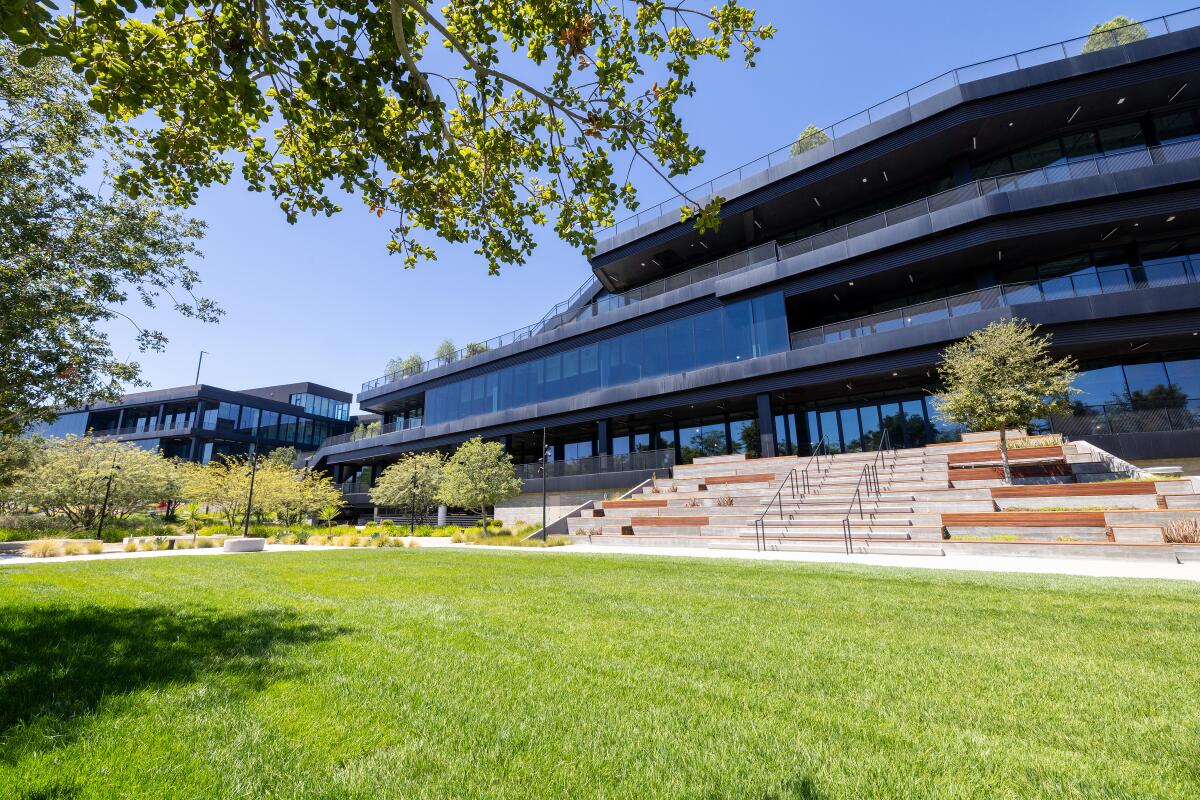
x=926 y=495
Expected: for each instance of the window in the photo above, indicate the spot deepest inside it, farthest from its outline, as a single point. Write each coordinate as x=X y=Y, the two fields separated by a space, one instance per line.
x=1122 y=138
x=66 y=425
x=249 y=421
x=1176 y=127
x=851 y=433
x=287 y=428
x=703 y=438
x=268 y=427
x=1098 y=386
x=744 y=437
x=227 y=416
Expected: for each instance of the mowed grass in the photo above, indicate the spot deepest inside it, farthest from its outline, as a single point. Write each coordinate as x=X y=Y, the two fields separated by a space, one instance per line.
x=484 y=674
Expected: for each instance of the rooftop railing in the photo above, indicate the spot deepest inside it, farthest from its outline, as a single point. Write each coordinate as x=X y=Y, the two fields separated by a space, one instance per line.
x=1058 y=51
x=1089 y=166
x=1110 y=280
x=550 y=320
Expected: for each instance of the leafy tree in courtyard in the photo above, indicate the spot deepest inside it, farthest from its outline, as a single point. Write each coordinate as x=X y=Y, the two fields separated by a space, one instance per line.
x=478 y=475
x=1003 y=376
x=72 y=255
x=223 y=484
x=283 y=456
x=810 y=137
x=1118 y=30
x=72 y=476
x=412 y=482
x=18 y=455
x=446 y=351
x=475 y=121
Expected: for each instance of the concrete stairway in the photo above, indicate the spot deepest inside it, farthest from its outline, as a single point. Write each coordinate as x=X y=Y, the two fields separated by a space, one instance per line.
x=929 y=501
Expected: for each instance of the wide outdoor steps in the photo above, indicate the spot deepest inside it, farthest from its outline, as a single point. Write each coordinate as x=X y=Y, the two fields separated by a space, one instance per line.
x=943 y=498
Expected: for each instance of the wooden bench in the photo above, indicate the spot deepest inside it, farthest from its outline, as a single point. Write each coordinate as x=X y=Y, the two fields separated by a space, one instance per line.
x=633 y=504
x=1098 y=489
x=1026 y=519
x=717 y=480
x=668 y=522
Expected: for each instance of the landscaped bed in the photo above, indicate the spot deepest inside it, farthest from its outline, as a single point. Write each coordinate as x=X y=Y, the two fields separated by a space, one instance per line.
x=490 y=674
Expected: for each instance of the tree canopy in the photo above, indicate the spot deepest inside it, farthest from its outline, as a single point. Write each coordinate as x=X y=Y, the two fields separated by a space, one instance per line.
x=473 y=121
x=478 y=475
x=810 y=137
x=71 y=254
x=412 y=482
x=1118 y=30
x=1003 y=376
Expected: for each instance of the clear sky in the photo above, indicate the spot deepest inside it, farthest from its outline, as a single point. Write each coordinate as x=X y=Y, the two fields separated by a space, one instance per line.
x=322 y=300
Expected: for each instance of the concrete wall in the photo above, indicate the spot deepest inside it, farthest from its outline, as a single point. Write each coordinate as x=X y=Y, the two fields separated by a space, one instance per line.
x=527 y=506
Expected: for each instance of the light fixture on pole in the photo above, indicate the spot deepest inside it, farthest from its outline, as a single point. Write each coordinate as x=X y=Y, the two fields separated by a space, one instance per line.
x=545 y=458
x=200 y=361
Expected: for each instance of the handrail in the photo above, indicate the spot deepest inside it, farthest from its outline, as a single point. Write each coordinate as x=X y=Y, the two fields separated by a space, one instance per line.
x=871 y=473
x=1156 y=26
x=760 y=524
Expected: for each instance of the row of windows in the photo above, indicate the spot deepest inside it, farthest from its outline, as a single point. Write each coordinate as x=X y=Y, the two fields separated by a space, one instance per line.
x=909 y=423
x=1150 y=384
x=270 y=425
x=321 y=406
x=1063 y=149
x=741 y=330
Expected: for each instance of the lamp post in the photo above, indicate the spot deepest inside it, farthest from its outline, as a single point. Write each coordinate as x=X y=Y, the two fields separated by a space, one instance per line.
x=198 y=363
x=545 y=454
x=250 y=499
x=412 y=511
x=107 y=492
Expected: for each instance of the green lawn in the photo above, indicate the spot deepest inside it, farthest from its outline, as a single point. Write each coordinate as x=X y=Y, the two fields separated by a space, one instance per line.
x=422 y=674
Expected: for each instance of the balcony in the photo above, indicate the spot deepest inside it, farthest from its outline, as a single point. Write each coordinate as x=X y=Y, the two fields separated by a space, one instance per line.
x=906 y=100
x=771 y=252
x=1159 y=274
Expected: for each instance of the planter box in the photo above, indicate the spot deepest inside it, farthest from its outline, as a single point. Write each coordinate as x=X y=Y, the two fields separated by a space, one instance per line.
x=238 y=544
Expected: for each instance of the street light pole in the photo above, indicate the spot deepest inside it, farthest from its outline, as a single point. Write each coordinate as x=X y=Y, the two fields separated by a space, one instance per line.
x=545 y=452
x=412 y=511
x=107 y=493
x=198 y=363
x=250 y=499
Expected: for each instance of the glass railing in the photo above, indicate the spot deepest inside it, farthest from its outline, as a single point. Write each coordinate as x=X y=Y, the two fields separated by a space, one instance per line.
x=550 y=320
x=769 y=252
x=371 y=431
x=1110 y=281
x=1127 y=417
x=593 y=465
x=907 y=99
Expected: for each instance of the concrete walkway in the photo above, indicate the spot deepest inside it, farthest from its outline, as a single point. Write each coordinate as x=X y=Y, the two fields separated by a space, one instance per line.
x=1087 y=567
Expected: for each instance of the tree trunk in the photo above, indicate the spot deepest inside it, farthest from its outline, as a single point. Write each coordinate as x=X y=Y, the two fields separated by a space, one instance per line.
x=1004 y=454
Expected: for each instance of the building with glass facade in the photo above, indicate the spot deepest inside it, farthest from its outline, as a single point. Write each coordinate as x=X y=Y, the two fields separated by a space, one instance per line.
x=201 y=422
x=1061 y=186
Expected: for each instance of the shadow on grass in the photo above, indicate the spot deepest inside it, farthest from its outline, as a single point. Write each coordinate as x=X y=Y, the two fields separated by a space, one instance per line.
x=59 y=663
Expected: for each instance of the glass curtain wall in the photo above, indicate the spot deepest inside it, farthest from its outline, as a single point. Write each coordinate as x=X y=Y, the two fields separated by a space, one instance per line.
x=742 y=330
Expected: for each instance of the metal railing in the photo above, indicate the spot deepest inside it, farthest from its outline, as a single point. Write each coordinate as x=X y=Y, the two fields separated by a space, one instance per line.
x=594 y=465
x=869 y=474
x=1111 y=418
x=157 y=428
x=1162 y=274
x=770 y=252
x=549 y=321
x=1058 y=51
x=355 y=487
x=369 y=432
x=797 y=477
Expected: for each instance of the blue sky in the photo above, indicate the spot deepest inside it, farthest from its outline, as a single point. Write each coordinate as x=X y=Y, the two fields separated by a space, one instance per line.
x=322 y=300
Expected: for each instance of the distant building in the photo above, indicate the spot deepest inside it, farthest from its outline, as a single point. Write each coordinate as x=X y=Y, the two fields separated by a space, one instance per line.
x=200 y=422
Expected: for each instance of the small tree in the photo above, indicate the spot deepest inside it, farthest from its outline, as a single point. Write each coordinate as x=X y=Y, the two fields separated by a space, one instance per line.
x=475 y=348
x=283 y=456
x=328 y=513
x=810 y=137
x=478 y=475
x=18 y=455
x=75 y=473
x=446 y=352
x=224 y=483
x=413 y=481
x=1118 y=30
x=411 y=365
x=1003 y=376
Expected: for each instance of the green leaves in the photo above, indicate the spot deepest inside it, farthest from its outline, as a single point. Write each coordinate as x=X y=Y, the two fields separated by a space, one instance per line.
x=521 y=124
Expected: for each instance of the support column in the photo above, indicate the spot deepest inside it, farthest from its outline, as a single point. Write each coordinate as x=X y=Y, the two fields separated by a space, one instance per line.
x=766 y=426
x=603 y=438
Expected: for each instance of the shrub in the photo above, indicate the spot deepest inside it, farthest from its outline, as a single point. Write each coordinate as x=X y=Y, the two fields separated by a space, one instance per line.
x=725 y=501
x=73 y=548
x=412 y=543
x=289 y=538
x=213 y=541
x=184 y=544
x=1182 y=531
x=692 y=503
x=386 y=523
x=317 y=539
x=44 y=548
